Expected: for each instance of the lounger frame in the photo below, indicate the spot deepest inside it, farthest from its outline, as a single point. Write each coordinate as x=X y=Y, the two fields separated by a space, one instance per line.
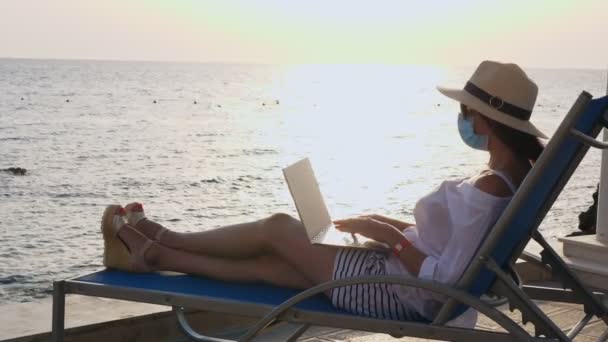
x=518 y=297
x=287 y=312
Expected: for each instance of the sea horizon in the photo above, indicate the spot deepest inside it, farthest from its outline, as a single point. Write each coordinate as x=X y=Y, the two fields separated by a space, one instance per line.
x=254 y=63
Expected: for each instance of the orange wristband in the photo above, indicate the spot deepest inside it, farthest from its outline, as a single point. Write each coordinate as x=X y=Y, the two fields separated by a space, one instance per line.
x=399 y=246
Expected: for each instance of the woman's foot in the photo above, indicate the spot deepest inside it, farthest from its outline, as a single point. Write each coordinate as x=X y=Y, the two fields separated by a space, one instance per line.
x=137 y=219
x=117 y=252
x=134 y=212
x=143 y=251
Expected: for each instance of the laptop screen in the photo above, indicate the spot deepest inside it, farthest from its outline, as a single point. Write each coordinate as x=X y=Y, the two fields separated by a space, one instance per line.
x=307 y=197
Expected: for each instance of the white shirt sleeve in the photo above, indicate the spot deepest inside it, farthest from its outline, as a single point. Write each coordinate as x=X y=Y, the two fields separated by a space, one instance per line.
x=470 y=224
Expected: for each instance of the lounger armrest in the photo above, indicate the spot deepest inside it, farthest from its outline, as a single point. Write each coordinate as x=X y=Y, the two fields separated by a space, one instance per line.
x=588 y=140
x=459 y=295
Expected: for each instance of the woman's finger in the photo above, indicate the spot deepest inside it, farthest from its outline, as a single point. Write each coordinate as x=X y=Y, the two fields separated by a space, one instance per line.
x=343 y=228
x=343 y=221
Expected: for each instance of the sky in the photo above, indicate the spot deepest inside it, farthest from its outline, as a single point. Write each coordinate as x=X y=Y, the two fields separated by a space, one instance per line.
x=542 y=33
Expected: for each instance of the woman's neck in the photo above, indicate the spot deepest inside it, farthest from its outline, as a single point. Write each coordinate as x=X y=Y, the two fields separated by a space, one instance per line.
x=505 y=160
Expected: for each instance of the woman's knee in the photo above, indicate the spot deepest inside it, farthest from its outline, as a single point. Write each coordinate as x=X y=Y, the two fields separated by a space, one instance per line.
x=278 y=224
x=279 y=220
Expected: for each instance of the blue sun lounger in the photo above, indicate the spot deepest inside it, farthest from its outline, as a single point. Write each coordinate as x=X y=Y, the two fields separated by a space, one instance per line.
x=490 y=271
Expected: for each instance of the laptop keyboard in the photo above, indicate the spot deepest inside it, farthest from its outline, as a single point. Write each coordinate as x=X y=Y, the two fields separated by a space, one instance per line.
x=319 y=237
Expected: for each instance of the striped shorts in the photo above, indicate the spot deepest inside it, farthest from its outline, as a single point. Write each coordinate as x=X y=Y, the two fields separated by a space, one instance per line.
x=372 y=300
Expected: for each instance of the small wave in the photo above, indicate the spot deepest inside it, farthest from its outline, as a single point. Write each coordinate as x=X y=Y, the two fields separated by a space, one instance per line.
x=259 y=151
x=13 y=139
x=248 y=178
x=222 y=156
x=13 y=279
x=36 y=293
x=209 y=134
x=215 y=180
x=77 y=195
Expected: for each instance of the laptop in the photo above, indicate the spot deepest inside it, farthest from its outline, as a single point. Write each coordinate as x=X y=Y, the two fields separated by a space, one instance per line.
x=313 y=212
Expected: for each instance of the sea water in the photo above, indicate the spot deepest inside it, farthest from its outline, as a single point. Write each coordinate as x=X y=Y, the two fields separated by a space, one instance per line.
x=202 y=145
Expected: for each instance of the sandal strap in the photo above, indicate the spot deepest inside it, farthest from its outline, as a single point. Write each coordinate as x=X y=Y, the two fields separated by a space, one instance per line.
x=145 y=248
x=160 y=234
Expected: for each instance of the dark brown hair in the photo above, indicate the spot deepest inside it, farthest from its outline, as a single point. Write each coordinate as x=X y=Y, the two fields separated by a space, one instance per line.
x=523 y=145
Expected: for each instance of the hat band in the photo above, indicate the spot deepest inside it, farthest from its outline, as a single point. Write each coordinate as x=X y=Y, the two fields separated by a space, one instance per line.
x=498 y=103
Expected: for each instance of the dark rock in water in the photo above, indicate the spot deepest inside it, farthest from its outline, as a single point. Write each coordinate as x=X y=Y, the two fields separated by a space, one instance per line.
x=587 y=220
x=154 y=101
x=195 y=102
x=67 y=100
x=18 y=171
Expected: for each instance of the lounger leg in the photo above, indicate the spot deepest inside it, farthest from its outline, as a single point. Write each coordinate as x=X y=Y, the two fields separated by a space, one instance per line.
x=298 y=333
x=188 y=330
x=579 y=326
x=58 y=324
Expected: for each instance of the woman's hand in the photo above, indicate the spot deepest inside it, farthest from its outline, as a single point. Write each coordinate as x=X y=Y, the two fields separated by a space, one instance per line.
x=374 y=217
x=365 y=226
x=395 y=223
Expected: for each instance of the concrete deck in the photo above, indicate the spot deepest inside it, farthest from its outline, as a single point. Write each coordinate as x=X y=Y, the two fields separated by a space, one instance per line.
x=98 y=319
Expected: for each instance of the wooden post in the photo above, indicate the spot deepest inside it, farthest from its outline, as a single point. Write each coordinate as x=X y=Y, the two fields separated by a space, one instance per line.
x=602 y=202
x=58 y=320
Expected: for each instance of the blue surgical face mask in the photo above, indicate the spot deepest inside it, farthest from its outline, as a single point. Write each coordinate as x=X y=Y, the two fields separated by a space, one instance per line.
x=468 y=135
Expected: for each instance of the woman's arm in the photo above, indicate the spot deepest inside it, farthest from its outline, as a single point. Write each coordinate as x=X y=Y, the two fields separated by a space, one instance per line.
x=410 y=256
x=445 y=268
x=393 y=222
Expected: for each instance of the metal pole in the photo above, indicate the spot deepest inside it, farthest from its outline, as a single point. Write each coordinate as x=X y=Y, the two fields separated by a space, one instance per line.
x=602 y=200
x=58 y=321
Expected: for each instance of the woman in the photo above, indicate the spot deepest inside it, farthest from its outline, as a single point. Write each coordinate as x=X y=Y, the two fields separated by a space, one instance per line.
x=451 y=221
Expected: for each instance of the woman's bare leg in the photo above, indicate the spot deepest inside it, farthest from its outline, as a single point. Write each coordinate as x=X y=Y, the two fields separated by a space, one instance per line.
x=280 y=236
x=267 y=269
x=238 y=240
x=241 y=240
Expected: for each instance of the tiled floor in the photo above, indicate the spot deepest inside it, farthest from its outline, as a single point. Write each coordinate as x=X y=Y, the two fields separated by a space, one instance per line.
x=31 y=318
x=564 y=315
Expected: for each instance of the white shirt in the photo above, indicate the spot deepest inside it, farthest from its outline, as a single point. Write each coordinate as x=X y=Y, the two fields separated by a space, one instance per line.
x=451 y=222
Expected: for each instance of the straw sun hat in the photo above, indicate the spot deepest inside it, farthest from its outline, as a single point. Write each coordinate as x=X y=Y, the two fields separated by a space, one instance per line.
x=502 y=92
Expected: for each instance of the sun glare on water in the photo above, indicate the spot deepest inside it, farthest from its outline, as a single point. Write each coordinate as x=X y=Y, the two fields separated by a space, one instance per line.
x=369 y=130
